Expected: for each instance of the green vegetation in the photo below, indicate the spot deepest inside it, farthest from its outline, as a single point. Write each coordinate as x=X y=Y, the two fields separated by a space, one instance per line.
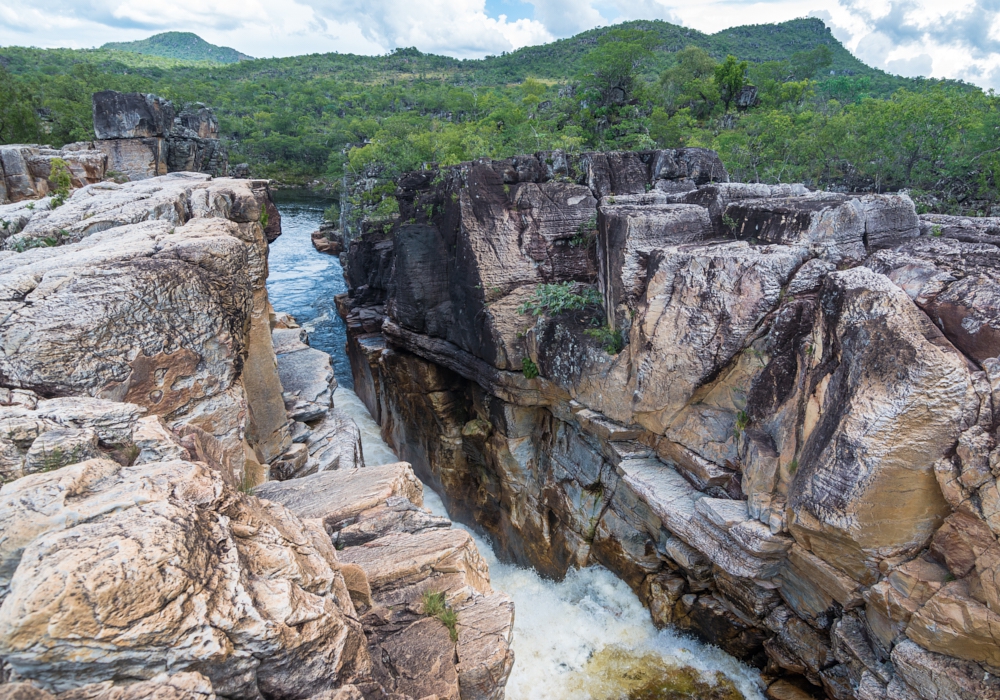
x=435 y=605
x=529 y=368
x=742 y=421
x=821 y=116
x=60 y=179
x=557 y=298
x=183 y=46
x=611 y=340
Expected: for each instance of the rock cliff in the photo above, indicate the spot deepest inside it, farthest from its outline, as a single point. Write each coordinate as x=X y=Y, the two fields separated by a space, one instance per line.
x=150 y=399
x=771 y=411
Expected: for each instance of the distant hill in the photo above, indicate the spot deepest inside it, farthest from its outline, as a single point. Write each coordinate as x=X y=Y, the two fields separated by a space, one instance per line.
x=183 y=46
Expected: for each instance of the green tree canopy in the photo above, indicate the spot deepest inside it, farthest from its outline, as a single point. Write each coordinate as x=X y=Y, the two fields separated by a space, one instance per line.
x=612 y=69
x=18 y=119
x=730 y=77
x=690 y=83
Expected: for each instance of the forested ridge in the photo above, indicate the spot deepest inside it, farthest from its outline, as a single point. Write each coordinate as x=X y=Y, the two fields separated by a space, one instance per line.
x=814 y=114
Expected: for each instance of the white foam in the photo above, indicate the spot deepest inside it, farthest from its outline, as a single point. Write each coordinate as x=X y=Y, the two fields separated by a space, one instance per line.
x=560 y=626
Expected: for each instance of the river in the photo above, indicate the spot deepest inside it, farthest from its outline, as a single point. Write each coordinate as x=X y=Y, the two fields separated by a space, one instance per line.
x=584 y=638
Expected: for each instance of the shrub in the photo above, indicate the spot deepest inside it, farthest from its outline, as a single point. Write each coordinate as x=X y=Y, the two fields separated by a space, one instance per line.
x=60 y=179
x=529 y=368
x=557 y=298
x=612 y=341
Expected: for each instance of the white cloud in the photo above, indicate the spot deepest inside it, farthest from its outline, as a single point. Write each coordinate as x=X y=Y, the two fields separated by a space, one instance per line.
x=959 y=39
x=915 y=66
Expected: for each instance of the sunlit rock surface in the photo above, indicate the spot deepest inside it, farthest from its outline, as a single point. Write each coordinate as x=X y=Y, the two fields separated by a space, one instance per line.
x=142 y=400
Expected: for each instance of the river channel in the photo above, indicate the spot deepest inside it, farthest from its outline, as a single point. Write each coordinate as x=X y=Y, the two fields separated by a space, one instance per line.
x=586 y=637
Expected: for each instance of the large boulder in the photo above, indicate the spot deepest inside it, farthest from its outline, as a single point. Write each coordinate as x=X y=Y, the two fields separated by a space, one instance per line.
x=163 y=567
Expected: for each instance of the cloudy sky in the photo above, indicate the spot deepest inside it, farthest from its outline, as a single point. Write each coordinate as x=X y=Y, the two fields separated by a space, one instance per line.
x=957 y=39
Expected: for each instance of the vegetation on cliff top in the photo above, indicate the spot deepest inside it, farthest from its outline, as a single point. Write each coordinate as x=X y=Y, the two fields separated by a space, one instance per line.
x=819 y=115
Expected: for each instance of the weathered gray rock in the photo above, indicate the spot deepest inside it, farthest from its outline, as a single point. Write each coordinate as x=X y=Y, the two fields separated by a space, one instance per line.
x=135 y=158
x=130 y=115
x=836 y=225
x=341 y=495
x=306 y=376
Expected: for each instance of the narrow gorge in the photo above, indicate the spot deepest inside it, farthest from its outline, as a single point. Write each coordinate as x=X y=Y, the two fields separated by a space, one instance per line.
x=699 y=439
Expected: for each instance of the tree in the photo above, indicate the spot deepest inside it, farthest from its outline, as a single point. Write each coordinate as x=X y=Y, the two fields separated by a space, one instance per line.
x=730 y=77
x=18 y=120
x=613 y=67
x=690 y=83
x=805 y=64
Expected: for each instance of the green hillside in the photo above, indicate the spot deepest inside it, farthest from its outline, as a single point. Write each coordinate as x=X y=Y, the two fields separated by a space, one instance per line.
x=183 y=46
x=821 y=116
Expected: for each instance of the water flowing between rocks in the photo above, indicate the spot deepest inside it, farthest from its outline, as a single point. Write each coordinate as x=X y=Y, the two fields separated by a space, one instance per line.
x=586 y=637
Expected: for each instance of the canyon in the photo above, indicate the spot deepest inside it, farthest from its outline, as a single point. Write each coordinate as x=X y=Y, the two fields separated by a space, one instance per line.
x=770 y=411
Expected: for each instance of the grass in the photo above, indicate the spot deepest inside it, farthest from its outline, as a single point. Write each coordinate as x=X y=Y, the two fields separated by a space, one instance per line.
x=742 y=421
x=435 y=605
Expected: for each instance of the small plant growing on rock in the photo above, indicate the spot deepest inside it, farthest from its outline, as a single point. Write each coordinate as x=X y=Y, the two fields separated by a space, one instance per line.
x=61 y=180
x=611 y=340
x=793 y=466
x=742 y=421
x=264 y=218
x=936 y=231
x=435 y=605
x=586 y=234
x=729 y=222
x=529 y=368
x=557 y=298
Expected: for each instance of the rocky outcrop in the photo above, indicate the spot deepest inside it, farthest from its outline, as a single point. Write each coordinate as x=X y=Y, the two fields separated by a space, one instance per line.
x=402 y=555
x=25 y=171
x=770 y=411
x=146 y=386
x=163 y=567
x=155 y=297
x=143 y=136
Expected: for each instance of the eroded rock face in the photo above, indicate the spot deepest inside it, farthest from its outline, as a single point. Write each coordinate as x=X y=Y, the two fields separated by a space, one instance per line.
x=25 y=172
x=143 y=399
x=394 y=554
x=784 y=442
x=252 y=597
x=156 y=298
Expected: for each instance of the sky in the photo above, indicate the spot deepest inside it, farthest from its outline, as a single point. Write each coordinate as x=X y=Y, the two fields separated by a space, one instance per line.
x=957 y=39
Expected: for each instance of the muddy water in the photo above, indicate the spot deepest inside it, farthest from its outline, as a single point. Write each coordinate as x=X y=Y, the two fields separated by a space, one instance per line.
x=584 y=638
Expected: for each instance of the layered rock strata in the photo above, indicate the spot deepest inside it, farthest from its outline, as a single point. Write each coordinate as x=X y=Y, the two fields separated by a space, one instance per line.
x=146 y=387
x=771 y=411
x=25 y=171
x=143 y=136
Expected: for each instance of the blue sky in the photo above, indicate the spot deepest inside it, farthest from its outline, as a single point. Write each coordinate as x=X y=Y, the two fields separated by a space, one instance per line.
x=958 y=39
